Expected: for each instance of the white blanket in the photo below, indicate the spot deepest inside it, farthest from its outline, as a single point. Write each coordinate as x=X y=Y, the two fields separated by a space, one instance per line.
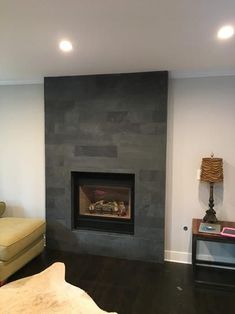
x=46 y=292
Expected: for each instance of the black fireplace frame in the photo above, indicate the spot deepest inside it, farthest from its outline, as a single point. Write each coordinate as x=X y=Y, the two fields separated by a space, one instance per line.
x=97 y=223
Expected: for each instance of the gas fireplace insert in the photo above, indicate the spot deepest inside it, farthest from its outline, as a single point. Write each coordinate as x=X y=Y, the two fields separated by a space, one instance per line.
x=103 y=201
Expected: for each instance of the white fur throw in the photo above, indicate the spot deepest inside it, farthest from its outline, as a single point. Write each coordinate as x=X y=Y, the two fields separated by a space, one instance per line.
x=46 y=293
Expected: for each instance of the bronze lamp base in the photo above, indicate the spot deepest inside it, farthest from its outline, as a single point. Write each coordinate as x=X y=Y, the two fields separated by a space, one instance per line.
x=210 y=216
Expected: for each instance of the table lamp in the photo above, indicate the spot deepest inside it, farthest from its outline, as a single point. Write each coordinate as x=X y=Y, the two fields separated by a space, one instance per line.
x=212 y=172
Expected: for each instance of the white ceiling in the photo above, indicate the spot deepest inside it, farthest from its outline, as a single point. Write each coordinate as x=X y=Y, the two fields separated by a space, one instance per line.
x=113 y=36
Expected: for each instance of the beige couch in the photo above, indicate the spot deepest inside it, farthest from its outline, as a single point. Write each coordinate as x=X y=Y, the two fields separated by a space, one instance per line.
x=21 y=239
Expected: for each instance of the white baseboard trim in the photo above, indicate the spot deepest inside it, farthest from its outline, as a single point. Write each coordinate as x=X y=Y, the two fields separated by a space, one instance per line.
x=185 y=257
x=223 y=259
x=178 y=257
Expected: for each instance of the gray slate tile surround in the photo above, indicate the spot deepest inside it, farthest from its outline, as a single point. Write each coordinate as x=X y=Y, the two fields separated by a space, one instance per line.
x=107 y=123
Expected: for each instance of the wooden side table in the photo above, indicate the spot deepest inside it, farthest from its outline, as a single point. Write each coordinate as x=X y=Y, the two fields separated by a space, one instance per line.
x=212 y=267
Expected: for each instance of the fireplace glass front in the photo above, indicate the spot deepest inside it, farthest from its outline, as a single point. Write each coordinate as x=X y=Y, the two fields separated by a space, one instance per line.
x=103 y=201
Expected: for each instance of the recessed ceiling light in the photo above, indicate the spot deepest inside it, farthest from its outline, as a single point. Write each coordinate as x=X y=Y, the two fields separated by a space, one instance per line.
x=225 y=32
x=66 y=45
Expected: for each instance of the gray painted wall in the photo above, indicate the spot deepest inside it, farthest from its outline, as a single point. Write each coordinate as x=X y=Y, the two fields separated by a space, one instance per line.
x=107 y=123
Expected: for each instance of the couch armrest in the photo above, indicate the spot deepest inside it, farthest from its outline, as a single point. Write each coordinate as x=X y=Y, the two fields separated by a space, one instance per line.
x=2 y=208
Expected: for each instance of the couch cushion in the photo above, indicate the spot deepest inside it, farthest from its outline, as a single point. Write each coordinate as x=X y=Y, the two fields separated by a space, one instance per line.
x=17 y=233
x=9 y=267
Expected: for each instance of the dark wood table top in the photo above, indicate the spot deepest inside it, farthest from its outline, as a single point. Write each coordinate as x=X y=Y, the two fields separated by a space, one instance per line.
x=196 y=225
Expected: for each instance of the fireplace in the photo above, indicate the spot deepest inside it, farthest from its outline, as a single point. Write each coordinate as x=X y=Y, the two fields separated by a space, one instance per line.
x=103 y=201
x=114 y=123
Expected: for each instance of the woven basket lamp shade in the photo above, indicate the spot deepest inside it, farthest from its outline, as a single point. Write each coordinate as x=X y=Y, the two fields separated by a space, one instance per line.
x=212 y=172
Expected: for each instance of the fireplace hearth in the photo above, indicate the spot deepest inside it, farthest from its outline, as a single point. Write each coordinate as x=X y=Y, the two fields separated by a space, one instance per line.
x=103 y=201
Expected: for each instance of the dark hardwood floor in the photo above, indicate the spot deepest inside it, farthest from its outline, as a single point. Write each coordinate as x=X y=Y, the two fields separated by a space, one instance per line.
x=132 y=287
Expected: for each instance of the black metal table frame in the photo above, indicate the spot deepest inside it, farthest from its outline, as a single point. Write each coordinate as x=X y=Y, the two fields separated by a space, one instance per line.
x=202 y=263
